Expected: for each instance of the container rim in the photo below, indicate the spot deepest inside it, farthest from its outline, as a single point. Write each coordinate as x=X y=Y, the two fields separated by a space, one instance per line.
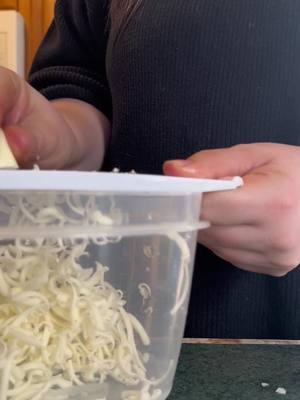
x=112 y=183
x=101 y=231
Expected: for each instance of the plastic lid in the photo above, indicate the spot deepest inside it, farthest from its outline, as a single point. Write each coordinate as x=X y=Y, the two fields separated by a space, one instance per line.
x=118 y=183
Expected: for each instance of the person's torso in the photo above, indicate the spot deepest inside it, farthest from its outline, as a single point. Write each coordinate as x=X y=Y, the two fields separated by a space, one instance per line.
x=188 y=75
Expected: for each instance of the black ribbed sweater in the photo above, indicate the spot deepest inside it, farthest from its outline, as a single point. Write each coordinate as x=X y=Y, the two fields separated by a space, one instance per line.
x=187 y=75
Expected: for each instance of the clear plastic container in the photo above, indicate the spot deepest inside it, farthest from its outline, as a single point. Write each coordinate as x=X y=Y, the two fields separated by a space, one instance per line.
x=95 y=276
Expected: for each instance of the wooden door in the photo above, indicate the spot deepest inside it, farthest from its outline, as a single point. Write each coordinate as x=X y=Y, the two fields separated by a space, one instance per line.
x=8 y=4
x=48 y=11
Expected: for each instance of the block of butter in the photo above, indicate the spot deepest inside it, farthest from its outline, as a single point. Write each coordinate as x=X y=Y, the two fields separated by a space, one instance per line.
x=7 y=159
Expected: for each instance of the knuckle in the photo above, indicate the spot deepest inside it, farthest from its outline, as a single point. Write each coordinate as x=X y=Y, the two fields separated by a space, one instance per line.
x=240 y=146
x=199 y=155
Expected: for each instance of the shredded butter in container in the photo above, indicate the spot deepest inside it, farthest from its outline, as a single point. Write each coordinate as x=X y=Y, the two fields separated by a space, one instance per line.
x=62 y=325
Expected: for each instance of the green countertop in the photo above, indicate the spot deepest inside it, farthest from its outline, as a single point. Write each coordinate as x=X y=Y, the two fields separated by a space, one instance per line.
x=235 y=372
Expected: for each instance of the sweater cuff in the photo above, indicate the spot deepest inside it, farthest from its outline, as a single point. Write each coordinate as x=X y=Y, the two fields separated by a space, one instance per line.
x=73 y=82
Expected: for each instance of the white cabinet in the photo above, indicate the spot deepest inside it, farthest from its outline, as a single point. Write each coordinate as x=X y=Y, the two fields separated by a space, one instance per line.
x=12 y=41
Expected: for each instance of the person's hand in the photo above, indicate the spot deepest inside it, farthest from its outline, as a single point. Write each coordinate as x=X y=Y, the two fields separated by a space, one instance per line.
x=256 y=227
x=45 y=133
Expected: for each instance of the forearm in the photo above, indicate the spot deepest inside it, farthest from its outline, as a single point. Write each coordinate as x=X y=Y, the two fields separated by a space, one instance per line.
x=91 y=130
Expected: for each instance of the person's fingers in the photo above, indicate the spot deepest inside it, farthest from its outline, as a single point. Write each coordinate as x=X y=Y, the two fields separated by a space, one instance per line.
x=216 y=164
x=45 y=133
x=37 y=140
x=244 y=205
x=22 y=144
x=12 y=96
x=30 y=146
x=265 y=198
x=24 y=116
x=246 y=238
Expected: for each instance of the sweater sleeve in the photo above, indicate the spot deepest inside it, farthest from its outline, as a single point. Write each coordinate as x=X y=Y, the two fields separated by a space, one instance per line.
x=70 y=62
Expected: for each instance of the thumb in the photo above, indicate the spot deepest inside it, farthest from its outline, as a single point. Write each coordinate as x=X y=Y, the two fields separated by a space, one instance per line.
x=222 y=163
x=11 y=90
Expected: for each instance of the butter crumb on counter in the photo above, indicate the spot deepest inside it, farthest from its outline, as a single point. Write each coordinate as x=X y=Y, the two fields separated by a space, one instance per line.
x=281 y=390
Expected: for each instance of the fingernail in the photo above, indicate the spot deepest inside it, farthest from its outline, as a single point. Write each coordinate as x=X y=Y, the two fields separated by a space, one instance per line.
x=179 y=163
x=175 y=162
x=180 y=168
